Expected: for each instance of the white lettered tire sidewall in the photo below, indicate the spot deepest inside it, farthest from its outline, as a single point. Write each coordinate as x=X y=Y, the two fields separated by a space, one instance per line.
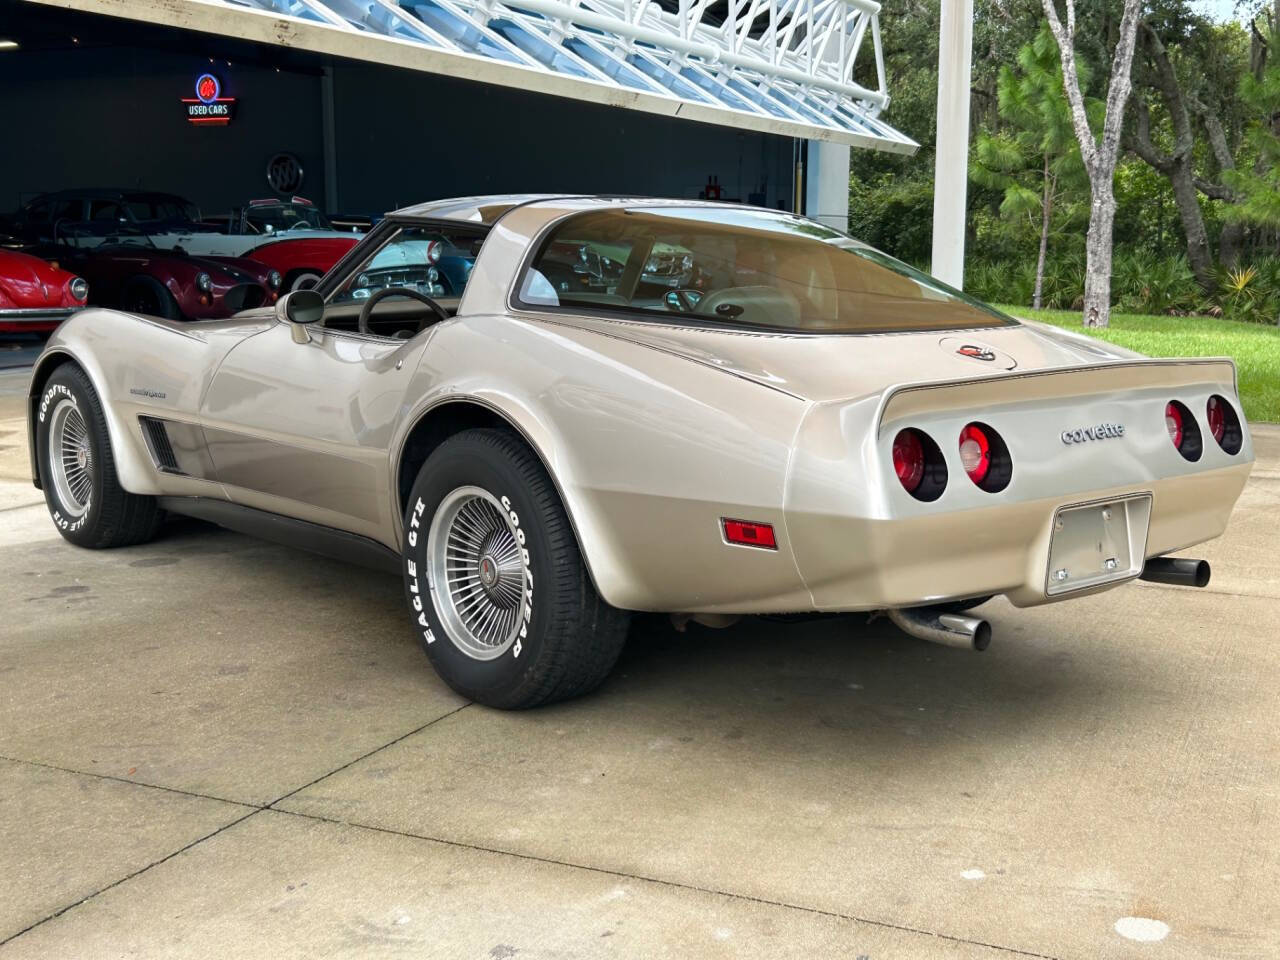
x=62 y=387
x=499 y=679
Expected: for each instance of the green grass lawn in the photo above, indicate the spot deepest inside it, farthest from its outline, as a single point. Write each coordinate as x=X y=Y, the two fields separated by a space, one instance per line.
x=1254 y=347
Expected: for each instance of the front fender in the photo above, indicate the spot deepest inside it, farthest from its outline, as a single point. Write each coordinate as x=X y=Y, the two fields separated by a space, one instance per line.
x=139 y=366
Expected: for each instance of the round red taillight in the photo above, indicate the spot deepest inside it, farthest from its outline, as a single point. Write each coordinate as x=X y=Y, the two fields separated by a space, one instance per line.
x=908 y=459
x=919 y=464
x=1173 y=423
x=985 y=457
x=1217 y=419
x=1184 y=431
x=975 y=453
x=1224 y=424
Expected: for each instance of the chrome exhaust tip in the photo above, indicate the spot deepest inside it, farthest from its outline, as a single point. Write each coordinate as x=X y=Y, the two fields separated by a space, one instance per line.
x=938 y=625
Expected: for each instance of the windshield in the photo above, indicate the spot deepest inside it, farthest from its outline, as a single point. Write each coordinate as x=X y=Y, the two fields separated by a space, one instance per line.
x=162 y=208
x=741 y=267
x=435 y=261
x=274 y=217
x=106 y=233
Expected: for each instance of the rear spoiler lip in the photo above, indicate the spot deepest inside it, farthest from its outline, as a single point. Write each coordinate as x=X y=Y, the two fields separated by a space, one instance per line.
x=891 y=393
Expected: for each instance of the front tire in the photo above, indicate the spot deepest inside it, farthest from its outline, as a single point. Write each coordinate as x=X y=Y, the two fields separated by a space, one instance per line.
x=77 y=470
x=148 y=296
x=499 y=594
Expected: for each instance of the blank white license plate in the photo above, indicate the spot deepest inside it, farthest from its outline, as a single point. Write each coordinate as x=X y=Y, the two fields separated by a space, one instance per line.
x=1097 y=543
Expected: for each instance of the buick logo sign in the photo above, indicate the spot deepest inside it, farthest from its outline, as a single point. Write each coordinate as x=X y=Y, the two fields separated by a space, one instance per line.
x=284 y=173
x=1102 y=431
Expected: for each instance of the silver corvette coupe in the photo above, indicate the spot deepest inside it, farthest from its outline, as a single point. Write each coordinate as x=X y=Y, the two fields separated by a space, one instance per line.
x=804 y=426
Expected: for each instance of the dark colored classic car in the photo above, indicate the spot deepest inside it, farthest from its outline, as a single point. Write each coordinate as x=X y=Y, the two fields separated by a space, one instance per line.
x=35 y=295
x=126 y=270
x=44 y=219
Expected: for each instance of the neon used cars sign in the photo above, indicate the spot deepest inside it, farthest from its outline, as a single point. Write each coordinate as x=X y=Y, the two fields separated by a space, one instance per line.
x=209 y=108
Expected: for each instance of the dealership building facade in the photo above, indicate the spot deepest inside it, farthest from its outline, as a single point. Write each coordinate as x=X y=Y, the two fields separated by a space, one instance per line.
x=366 y=105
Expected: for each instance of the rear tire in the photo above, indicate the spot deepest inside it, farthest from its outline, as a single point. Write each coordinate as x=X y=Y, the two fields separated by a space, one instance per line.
x=499 y=593
x=78 y=472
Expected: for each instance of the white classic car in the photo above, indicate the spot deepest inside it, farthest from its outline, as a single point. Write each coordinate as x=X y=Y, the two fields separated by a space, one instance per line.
x=814 y=427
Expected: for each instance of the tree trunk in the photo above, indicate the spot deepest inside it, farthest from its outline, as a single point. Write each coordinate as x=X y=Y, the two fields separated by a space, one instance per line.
x=1188 y=201
x=1046 y=211
x=1097 y=276
x=1178 y=166
x=1099 y=155
x=1229 y=243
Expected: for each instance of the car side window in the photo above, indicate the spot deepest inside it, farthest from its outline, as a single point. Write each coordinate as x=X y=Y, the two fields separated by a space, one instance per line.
x=743 y=267
x=106 y=210
x=66 y=210
x=433 y=261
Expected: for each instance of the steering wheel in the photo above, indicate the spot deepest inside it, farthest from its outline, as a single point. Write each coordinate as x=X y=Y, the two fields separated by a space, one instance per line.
x=682 y=301
x=362 y=324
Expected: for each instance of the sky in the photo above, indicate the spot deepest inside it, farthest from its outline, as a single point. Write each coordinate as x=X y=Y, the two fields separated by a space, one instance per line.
x=1223 y=10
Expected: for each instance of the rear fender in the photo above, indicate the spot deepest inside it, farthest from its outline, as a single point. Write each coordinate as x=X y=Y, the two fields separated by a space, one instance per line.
x=647 y=451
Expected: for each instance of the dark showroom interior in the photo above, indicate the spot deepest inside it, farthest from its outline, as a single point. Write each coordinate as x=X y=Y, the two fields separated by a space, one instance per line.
x=367 y=138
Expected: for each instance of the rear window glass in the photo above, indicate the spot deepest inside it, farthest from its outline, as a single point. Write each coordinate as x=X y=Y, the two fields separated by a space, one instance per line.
x=750 y=268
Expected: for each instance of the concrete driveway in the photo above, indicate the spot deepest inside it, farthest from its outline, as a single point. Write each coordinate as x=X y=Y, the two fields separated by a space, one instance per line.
x=214 y=747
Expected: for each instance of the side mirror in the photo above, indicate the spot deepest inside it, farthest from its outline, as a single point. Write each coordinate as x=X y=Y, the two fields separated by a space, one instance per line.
x=299 y=309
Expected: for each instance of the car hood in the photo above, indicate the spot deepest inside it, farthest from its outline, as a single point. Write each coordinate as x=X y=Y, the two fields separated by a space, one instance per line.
x=30 y=282
x=238 y=268
x=832 y=367
x=222 y=269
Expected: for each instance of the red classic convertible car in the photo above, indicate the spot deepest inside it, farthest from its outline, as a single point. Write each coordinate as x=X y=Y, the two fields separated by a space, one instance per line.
x=35 y=295
x=127 y=271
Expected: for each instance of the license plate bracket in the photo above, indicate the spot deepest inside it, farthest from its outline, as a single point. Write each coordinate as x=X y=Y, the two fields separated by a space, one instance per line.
x=1097 y=543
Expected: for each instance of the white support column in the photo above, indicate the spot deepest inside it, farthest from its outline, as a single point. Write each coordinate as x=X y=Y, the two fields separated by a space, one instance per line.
x=951 y=171
x=827 y=184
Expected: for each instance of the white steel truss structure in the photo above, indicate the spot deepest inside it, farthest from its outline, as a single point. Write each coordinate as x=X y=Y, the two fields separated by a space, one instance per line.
x=780 y=66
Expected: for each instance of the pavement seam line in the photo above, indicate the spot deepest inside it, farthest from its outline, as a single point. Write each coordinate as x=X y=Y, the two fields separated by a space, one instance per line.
x=133 y=783
x=254 y=810
x=1150 y=585
x=677 y=884
x=22 y=506
x=351 y=763
x=141 y=870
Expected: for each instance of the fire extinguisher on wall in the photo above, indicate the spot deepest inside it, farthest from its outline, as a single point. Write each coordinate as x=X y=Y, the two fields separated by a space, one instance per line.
x=712 y=190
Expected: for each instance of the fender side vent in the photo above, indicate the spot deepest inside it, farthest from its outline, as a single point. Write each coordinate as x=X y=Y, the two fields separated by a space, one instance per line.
x=158 y=442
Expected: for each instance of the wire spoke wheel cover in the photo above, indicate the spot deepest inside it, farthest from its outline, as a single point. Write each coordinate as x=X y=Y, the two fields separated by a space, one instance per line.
x=71 y=457
x=478 y=570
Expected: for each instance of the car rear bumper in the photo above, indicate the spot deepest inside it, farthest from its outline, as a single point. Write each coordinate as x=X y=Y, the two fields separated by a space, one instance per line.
x=853 y=563
x=33 y=319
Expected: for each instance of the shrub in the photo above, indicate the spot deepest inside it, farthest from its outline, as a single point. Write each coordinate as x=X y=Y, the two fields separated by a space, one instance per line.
x=1144 y=283
x=894 y=215
x=1249 y=293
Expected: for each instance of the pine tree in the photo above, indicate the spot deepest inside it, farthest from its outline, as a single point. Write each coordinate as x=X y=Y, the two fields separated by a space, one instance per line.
x=1035 y=161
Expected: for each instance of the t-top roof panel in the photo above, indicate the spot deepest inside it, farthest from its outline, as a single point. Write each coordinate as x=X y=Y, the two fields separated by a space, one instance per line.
x=776 y=66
